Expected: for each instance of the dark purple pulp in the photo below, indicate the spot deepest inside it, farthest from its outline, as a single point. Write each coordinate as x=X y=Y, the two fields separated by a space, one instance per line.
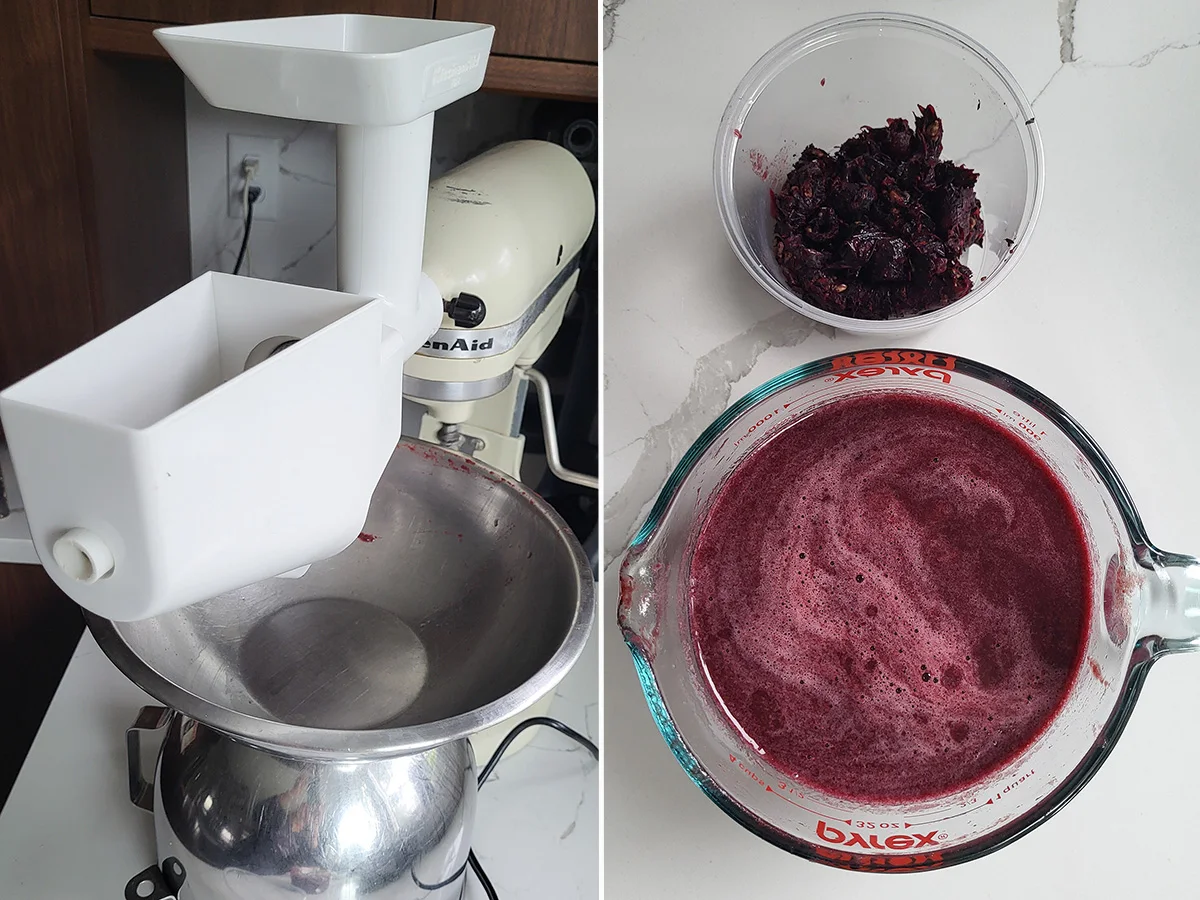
x=875 y=230
x=891 y=597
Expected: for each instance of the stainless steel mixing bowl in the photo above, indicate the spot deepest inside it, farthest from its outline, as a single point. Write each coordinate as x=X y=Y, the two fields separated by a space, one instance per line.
x=465 y=600
x=236 y=822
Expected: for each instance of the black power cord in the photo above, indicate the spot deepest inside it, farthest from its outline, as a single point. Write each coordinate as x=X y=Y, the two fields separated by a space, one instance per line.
x=484 y=881
x=254 y=193
x=486 y=773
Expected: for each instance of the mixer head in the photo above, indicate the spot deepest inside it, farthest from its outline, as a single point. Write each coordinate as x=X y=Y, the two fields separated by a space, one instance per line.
x=503 y=238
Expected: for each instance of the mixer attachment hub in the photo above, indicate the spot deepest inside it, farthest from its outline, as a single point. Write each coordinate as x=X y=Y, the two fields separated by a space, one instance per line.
x=453 y=438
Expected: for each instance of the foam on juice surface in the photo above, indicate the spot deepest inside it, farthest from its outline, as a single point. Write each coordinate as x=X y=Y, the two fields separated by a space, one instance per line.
x=890 y=597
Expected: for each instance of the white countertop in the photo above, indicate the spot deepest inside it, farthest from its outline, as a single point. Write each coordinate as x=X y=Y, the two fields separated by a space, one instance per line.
x=69 y=832
x=1102 y=314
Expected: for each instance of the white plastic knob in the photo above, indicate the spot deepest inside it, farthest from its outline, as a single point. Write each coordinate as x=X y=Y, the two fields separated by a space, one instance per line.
x=83 y=556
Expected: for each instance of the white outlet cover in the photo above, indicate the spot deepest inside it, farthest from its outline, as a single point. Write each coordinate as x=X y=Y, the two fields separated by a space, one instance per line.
x=268 y=151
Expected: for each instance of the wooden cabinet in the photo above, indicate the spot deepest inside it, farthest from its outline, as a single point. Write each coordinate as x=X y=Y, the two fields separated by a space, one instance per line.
x=542 y=48
x=192 y=12
x=84 y=140
x=45 y=310
x=545 y=29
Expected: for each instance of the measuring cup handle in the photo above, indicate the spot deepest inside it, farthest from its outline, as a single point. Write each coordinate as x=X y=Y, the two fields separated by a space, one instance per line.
x=1173 y=584
x=141 y=788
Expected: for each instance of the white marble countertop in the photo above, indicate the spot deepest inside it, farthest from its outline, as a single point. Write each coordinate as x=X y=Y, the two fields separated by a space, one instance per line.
x=69 y=832
x=1102 y=314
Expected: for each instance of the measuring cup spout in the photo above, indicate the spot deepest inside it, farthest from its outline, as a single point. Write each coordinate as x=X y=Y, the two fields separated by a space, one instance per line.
x=1173 y=586
x=639 y=606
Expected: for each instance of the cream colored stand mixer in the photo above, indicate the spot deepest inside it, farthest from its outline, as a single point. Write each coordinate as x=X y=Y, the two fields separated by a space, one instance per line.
x=504 y=234
x=503 y=237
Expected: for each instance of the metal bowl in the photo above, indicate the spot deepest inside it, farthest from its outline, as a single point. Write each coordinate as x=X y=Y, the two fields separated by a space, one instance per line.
x=465 y=600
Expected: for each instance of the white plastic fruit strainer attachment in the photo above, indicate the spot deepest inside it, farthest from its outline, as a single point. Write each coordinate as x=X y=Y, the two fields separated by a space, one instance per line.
x=156 y=470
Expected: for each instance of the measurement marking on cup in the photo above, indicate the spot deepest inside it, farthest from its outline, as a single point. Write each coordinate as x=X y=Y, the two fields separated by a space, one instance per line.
x=815 y=812
x=1022 y=421
x=944 y=818
x=757 y=425
x=974 y=803
x=766 y=418
x=783 y=788
x=1012 y=786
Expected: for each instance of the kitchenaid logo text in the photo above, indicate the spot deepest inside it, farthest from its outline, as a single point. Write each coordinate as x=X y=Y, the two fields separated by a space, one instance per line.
x=833 y=835
x=904 y=362
x=459 y=344
x=443 y=73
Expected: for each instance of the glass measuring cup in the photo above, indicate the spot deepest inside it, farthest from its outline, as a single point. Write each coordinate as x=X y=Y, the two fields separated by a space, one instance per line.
x=1145 y=603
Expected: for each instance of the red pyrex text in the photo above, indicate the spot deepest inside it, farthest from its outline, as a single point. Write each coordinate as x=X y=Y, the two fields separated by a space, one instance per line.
x=834 y=835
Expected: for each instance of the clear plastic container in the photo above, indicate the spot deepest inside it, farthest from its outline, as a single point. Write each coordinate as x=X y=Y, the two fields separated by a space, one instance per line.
x=822 y=85
x=1145 y=604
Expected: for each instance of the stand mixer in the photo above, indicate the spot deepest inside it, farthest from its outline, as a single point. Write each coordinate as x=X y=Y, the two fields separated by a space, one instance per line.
x=503 y=237
x=178 y=476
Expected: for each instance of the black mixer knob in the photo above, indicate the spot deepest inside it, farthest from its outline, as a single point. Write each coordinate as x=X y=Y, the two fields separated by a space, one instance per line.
x=466 y=310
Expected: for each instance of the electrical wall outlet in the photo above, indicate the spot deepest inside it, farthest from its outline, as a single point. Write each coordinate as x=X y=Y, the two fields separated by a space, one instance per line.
x=267 y=151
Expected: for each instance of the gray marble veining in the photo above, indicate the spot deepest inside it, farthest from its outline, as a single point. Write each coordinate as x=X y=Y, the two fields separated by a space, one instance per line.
x=288 y=266
x=1069 y=54
x=611 y=8
x=665 y=443
x=1066 y=30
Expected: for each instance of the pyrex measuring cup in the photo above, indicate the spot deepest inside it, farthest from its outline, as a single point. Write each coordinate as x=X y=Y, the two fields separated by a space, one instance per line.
x=1145 y=603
